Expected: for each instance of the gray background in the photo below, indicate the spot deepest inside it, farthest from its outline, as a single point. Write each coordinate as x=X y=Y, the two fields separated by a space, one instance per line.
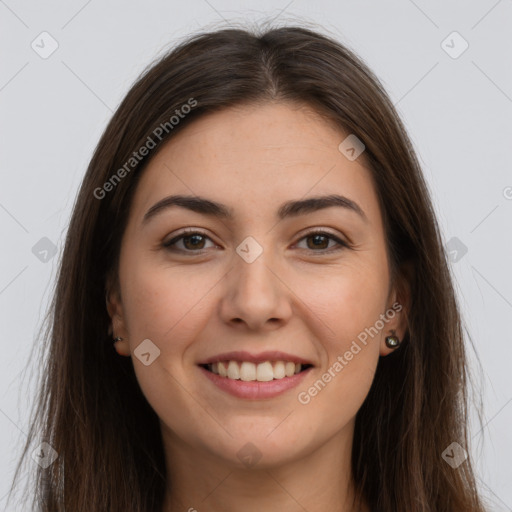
x=457 y=111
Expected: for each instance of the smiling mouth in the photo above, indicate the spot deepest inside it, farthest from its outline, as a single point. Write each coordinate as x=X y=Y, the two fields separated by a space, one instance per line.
x=261 y=372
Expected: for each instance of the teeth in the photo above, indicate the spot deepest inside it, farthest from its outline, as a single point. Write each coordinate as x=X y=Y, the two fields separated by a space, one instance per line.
x=279 y=370
x=247 y=371
x=289 y=369
x=222 y=369
x=233 y=370
x=262 y=372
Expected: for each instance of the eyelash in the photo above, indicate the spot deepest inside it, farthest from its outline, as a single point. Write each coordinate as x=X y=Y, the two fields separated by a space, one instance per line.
x=188 y=233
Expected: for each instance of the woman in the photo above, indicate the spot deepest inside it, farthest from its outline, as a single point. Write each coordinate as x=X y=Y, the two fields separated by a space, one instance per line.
x=255 y=235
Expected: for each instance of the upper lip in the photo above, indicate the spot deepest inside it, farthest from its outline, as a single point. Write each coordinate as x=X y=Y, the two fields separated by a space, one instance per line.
x=269 y=355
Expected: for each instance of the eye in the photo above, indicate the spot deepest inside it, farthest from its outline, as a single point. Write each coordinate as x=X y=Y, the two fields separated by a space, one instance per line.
x=192 y=241
x=320 y=242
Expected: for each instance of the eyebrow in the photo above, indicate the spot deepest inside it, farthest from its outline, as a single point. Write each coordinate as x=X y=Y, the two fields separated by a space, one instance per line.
x=289 y=209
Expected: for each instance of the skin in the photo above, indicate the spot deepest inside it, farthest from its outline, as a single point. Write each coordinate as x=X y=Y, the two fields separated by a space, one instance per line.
x=295 y=297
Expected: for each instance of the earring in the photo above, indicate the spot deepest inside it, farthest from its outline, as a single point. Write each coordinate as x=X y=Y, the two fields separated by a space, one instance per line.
x=392 y=341
x=118 y=338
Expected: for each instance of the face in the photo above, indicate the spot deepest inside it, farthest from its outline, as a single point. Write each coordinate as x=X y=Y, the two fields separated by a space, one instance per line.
x=257 y=280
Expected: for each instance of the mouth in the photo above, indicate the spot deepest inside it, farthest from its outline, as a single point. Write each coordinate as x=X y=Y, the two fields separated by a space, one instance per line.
x=261 y=372
x=256 y=377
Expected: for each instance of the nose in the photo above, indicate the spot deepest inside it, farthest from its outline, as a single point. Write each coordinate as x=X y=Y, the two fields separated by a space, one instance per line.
x=256 y=298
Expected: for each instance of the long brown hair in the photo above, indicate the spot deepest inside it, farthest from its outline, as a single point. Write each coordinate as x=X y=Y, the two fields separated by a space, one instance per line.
x=90 y=408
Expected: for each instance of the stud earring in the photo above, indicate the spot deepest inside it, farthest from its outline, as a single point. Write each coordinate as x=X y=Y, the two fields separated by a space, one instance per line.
x=392 y=341
x=118 y=338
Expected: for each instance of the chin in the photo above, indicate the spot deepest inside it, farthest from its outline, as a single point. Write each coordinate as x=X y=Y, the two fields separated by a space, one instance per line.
x=258 y=450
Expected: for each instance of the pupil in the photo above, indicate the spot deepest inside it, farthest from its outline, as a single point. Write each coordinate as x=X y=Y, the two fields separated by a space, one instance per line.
x=196 y=237
x=316 y=238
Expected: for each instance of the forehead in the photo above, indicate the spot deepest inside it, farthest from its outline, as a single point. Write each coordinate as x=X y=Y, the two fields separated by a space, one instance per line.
x=254 y=157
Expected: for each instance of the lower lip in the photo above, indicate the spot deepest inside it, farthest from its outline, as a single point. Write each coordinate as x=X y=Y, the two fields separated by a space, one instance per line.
x=253 y=389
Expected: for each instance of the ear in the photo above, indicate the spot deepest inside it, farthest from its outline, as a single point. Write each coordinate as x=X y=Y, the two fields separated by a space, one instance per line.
x=115 y=312
x=398 y=307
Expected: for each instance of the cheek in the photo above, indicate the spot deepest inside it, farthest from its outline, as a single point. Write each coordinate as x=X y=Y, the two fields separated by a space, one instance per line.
x=349 y=306
x=351 y=299
x=161 y=301
x=162 y=304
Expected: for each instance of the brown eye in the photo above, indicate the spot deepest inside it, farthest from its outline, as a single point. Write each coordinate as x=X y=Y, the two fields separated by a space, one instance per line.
x=193 y=241
x=319 y=241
